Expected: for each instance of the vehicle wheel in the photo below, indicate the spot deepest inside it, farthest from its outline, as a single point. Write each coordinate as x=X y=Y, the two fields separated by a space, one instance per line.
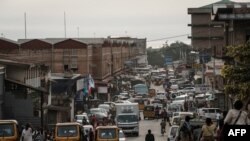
x=137 y=134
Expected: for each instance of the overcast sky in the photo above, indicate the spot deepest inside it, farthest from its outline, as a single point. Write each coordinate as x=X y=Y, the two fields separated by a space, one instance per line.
x=151 y=19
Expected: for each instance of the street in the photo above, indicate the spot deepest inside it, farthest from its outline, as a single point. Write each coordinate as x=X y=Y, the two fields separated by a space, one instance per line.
x=154 y=125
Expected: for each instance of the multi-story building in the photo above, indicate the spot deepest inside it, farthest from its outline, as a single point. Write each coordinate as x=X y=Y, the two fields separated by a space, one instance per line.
x=215 y=26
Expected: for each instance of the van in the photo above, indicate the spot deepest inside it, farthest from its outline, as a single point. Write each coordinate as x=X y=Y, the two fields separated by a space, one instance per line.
x=70 y=131
x=9 y=130
x=208 y=112
x=107 y=133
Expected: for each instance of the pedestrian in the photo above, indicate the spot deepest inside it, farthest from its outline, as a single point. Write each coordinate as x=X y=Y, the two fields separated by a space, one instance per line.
x=237 y=116
x=219 y=135
x=157 y=111
x=218 y=116
x=27 y=133
x=150 y=136
x=185 y=132
x=91 y=135
x=110 y=118
x=208 y=130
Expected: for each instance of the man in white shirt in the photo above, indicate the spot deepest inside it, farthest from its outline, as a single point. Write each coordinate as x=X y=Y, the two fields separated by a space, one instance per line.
x=236 y=116
x=218 y=118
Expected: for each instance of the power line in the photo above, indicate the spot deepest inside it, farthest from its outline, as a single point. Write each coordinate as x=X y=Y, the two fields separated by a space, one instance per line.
x=170 y=37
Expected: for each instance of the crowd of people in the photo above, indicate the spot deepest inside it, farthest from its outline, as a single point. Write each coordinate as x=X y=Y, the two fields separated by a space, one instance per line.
x=210 y=131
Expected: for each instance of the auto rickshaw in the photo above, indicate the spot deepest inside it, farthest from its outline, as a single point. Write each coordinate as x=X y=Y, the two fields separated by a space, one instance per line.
x=107 y=133
x=152 y=92
x=149 y=112
x=69 y=131
x=9 y=130
x=141 y=103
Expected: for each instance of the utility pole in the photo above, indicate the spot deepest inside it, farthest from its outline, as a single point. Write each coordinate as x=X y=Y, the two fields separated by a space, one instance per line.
x=25 y=29
x=214 y=75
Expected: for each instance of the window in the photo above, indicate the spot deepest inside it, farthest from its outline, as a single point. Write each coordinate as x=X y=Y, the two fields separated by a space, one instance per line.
x=7 y=130
x=70 y=57
x=73 y=63
x=67 y=131
x=107 y=134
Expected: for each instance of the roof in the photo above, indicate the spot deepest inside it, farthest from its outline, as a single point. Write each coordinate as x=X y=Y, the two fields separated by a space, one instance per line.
x=17 y=63
x=21 y=41
x=82 y=40
x=219 y=2
x=106 y=127
x=68 y=123
x=8 y=121
x=8 y=40
x=62 y=85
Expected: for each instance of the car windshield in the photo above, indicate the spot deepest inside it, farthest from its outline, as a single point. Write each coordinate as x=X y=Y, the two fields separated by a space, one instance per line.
x=127 y=118
x=6 y=130
x=67 y=131
x=107 y=134
x=173 y=131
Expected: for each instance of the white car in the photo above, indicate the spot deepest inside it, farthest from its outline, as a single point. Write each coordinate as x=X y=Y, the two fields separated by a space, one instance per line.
x=104 y=106
x=173 y=133
x=175 y=120
x=80 y=117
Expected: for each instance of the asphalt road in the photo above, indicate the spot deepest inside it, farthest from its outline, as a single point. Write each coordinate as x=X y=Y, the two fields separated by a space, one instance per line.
x=146 y=124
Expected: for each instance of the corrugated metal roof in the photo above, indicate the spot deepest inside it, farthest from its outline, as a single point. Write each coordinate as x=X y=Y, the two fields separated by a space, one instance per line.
x=8 y=40
x=21 y=41
x=82 y=40
x=219 y=2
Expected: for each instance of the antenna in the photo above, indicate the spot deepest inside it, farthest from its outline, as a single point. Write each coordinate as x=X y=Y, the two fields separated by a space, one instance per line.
x=65 y=25
x=25 y=29
x=78 y=32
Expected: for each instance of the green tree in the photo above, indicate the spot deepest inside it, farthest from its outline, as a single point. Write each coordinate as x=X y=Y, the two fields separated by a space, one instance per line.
x=236 y=72
x=157 y=56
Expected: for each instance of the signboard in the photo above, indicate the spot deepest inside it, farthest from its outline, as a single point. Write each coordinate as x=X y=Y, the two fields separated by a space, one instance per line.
x=102 y=90
x=202 y=88
x=168 y=61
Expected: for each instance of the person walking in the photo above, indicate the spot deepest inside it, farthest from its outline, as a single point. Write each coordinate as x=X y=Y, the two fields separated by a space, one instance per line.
x=27 y=133
x=150 y=136
x=185 y=132
x=218 y=117
x=219 y=136
x=91 y=135
x=163 y=126
x=237 y=116
x=208 y=130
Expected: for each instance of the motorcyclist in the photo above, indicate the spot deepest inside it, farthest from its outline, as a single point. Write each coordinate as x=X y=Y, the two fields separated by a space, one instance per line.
x=163 y=126
x=84 y=121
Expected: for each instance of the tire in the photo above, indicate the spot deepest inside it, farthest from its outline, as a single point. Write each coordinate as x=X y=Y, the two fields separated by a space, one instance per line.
x=137 y=134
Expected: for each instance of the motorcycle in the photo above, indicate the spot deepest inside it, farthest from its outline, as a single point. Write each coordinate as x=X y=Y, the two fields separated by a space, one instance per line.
x=162 y=131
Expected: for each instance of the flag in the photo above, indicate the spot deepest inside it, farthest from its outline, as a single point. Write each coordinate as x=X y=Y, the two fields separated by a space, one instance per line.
x=91 y=82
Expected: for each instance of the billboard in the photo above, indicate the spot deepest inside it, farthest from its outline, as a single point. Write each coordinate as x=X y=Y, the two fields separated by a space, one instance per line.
x=168 y=61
